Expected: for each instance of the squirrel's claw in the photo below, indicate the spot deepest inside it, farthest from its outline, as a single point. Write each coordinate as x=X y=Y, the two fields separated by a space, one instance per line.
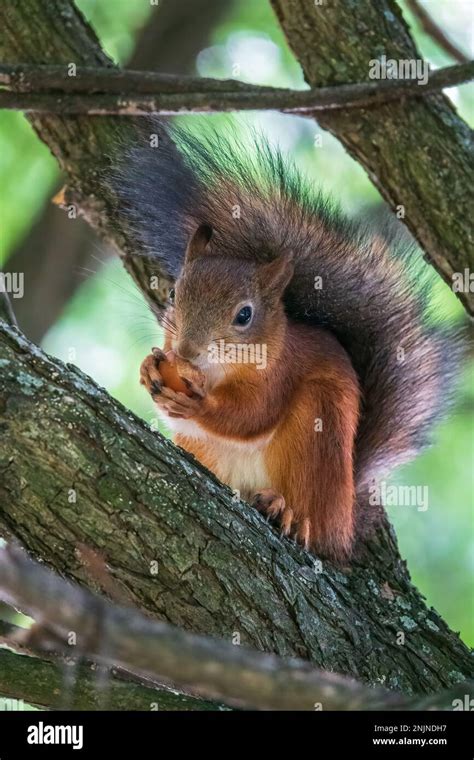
x=151 y=378
x=158 y=353
x=180 y=405
x=195 y=389
x=175 y=404
x=150 y=375
x=273 y=504
x=269 y=501
x=302 y=534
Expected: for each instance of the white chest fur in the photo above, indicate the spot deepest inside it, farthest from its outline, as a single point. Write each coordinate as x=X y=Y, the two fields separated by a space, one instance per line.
x=240 y=464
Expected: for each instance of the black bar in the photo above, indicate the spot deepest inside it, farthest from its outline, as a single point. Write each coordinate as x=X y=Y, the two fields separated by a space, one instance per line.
x=313 y=734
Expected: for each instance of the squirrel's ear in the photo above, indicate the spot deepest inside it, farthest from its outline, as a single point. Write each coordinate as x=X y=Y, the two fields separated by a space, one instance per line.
x=198 y=243
x=277 y=273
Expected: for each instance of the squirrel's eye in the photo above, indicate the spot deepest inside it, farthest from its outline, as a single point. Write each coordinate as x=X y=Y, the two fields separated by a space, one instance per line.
x=171 y=295
x=244 y=316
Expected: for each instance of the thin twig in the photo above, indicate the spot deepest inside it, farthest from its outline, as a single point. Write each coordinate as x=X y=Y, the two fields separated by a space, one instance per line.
x=435 y=32
x=143 y=93
x=6 y=309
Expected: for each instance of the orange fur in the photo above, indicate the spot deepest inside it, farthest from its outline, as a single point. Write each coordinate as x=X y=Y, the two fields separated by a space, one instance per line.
x=274 y=412
x=255 y=429
x=282 y=433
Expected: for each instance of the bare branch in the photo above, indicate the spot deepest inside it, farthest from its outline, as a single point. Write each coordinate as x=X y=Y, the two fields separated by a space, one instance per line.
x=202 y=665
x=435 y=32
x=57 y=682
x=6 y=309
x=418 y=152
x=138 y=93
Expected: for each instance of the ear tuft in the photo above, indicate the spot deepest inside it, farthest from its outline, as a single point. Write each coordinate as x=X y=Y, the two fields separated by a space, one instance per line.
x=198 y=242
x=277 y=273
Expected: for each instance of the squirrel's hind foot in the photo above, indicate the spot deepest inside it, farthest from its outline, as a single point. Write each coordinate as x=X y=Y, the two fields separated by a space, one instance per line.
x=271 y=503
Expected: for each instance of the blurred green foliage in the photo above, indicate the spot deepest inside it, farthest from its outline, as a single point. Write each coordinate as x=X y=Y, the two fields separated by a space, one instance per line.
x=107 y=329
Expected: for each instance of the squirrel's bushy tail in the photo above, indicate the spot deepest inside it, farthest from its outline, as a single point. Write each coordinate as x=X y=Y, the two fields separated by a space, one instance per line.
x=357 y=283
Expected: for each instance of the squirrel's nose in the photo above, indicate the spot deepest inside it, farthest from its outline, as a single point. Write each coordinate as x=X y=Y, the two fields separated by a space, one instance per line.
x=187 y=350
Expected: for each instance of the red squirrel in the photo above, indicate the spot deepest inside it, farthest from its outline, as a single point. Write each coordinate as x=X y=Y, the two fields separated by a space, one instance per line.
x=352 y=378
x=257 y=428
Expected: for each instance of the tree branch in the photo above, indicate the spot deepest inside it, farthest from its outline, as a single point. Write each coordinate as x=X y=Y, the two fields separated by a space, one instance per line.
x=205 y=666
x=435 y=32
x=78 y=469
x=412 y=166
x=417 y=152
x=82 y=146
x=91 y=92
x=60 y=253
x=53 y=681
x=6 y=309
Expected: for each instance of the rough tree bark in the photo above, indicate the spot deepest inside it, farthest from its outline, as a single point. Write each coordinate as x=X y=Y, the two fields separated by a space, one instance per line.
x=79 y=469
x=412 y=166
x=56 y=32
x=169 y=42
x=418 y=153
x=117 y=635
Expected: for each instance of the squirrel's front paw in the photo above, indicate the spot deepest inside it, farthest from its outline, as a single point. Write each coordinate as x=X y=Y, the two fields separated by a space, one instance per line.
x=179 y=404
x=173 y=403
x=150 y=375
x=273 y=504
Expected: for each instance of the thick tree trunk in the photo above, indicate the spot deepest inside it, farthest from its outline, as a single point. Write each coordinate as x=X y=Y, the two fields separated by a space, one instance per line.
x=418 y=152
x=59 y=253
x=427 y=167
x=56 y=32
x=79 y=469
